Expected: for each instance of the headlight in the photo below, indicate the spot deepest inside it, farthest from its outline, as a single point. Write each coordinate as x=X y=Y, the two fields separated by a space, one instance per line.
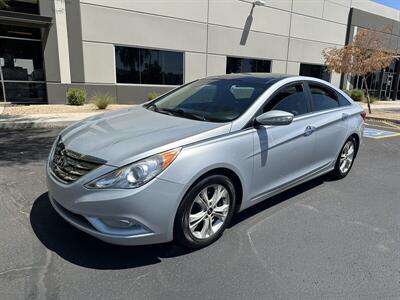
x=136 y=174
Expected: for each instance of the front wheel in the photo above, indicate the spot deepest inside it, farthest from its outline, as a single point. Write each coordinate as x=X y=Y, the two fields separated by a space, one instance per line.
x=346 y=159
x=205 y=212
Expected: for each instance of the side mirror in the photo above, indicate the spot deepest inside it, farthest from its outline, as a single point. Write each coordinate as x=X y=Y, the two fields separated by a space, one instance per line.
x=275 y=117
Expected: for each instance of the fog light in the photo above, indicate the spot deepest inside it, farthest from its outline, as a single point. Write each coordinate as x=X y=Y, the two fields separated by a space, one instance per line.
x=120 y=223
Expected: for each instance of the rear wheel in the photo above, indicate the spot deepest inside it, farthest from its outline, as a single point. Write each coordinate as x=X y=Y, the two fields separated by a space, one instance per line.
x=346 y=159
x=205 y=212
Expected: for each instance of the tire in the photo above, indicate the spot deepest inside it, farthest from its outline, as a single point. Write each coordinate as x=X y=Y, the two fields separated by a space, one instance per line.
x=192 y=223
x=339 y=172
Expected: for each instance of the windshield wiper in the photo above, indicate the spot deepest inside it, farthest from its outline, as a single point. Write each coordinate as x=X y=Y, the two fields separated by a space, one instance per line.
x=183 y=113
x=155 y=108
x=177 y=112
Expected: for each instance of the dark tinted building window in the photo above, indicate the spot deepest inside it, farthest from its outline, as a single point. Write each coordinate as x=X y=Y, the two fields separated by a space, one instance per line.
x=323 y=98
x=147 y=66
x=21 y=60
x=246 y=65
x=23 y=6
x=315 y=71
x=291 y=99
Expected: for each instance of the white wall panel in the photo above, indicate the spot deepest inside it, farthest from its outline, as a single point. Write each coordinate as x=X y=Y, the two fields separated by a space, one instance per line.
x=191 y=10
x=312 y=8
x=336 y=12
x=239 y=14
x=293 y=68
x=279 y=66
x=195 y=66
x=107 y=25
x=335 y=79
x=307 y=51
x=216 y=65
x=318 y=30
x=226 y=41
x=99 y=63
x=341 y=2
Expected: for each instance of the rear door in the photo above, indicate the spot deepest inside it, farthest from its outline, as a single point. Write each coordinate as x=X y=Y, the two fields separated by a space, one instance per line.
x=329 y=121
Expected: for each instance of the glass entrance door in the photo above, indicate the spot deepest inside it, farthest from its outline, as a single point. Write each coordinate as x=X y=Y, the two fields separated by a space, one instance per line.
x=21 y=63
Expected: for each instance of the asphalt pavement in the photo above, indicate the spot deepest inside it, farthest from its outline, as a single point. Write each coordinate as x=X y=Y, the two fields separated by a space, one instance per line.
x=321 y=240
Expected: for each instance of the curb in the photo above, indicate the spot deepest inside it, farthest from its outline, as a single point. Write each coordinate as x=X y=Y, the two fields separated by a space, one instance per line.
x=34 y=124
x=383 y=119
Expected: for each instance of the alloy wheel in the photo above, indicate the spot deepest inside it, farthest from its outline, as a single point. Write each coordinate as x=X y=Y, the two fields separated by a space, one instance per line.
x=346 y=157
x=209 y=211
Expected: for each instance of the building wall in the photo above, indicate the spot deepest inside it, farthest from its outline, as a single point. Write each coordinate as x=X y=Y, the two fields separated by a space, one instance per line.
x=288 y=32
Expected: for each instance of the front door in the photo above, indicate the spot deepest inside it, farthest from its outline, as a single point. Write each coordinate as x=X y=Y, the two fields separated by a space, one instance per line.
x=283 y=154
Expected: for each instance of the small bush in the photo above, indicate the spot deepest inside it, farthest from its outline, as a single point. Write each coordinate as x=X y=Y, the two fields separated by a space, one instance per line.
x=356 y=94
x=348 y=92
x=102 y=101
x=76 y=96
x=152 y=95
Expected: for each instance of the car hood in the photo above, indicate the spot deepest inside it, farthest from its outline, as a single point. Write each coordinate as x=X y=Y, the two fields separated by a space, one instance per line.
x=126 y=135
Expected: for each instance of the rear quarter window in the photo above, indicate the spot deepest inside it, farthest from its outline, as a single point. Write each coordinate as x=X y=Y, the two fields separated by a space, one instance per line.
x=323 y=98
x=342 y=100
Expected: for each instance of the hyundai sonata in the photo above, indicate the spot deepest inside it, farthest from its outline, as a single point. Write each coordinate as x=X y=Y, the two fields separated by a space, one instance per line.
x=179 y=167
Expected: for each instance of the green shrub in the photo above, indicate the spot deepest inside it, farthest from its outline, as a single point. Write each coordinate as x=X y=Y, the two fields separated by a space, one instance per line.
x=356 y=94
x=76 y=96
x=102 y=101
x=152 y=95
x=348 y=92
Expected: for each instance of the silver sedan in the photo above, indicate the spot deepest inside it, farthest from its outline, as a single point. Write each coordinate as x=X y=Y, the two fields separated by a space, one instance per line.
x=179 y=167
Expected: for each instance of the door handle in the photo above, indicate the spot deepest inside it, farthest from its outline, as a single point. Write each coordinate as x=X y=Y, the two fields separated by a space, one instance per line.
x=309 y=130
x=345 y=116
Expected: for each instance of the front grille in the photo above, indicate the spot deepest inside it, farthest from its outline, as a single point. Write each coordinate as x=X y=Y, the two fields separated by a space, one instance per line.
x=68 y=166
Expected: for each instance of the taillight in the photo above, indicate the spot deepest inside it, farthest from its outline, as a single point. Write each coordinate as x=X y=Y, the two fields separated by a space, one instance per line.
x=363 y=114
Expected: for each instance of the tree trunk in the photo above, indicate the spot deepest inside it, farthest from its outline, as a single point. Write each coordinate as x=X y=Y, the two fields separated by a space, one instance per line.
x=368 y=99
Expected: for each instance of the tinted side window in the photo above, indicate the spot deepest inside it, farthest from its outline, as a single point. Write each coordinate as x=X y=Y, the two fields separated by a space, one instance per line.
x=291 y=99
x=323 y=98
x=342 y=100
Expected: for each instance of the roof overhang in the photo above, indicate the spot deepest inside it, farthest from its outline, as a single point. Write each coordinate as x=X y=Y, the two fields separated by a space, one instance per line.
x=25 y=20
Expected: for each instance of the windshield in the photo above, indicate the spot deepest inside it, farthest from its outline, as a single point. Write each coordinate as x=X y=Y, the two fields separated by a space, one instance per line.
x=214 y=100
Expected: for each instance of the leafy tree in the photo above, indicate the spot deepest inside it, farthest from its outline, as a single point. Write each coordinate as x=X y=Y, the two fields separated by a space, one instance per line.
x=365 y=55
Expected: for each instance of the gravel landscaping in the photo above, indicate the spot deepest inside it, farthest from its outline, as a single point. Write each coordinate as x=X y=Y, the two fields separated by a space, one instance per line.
x=55 y=109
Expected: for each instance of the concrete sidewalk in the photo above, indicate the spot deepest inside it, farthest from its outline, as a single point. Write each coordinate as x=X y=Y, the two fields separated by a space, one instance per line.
x=382 y=105
x=383 y=111
x=42 y=120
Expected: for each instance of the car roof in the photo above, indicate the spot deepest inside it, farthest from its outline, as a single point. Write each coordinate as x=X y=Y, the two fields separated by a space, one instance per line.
x=256 y=77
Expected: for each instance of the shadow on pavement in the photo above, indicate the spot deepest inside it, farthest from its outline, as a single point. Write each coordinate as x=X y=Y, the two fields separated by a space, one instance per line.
x=84 y=250
x=25 y=146
x=277 y=199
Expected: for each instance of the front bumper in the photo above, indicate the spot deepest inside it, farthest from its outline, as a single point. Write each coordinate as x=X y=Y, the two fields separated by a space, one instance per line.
x=151 y=207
